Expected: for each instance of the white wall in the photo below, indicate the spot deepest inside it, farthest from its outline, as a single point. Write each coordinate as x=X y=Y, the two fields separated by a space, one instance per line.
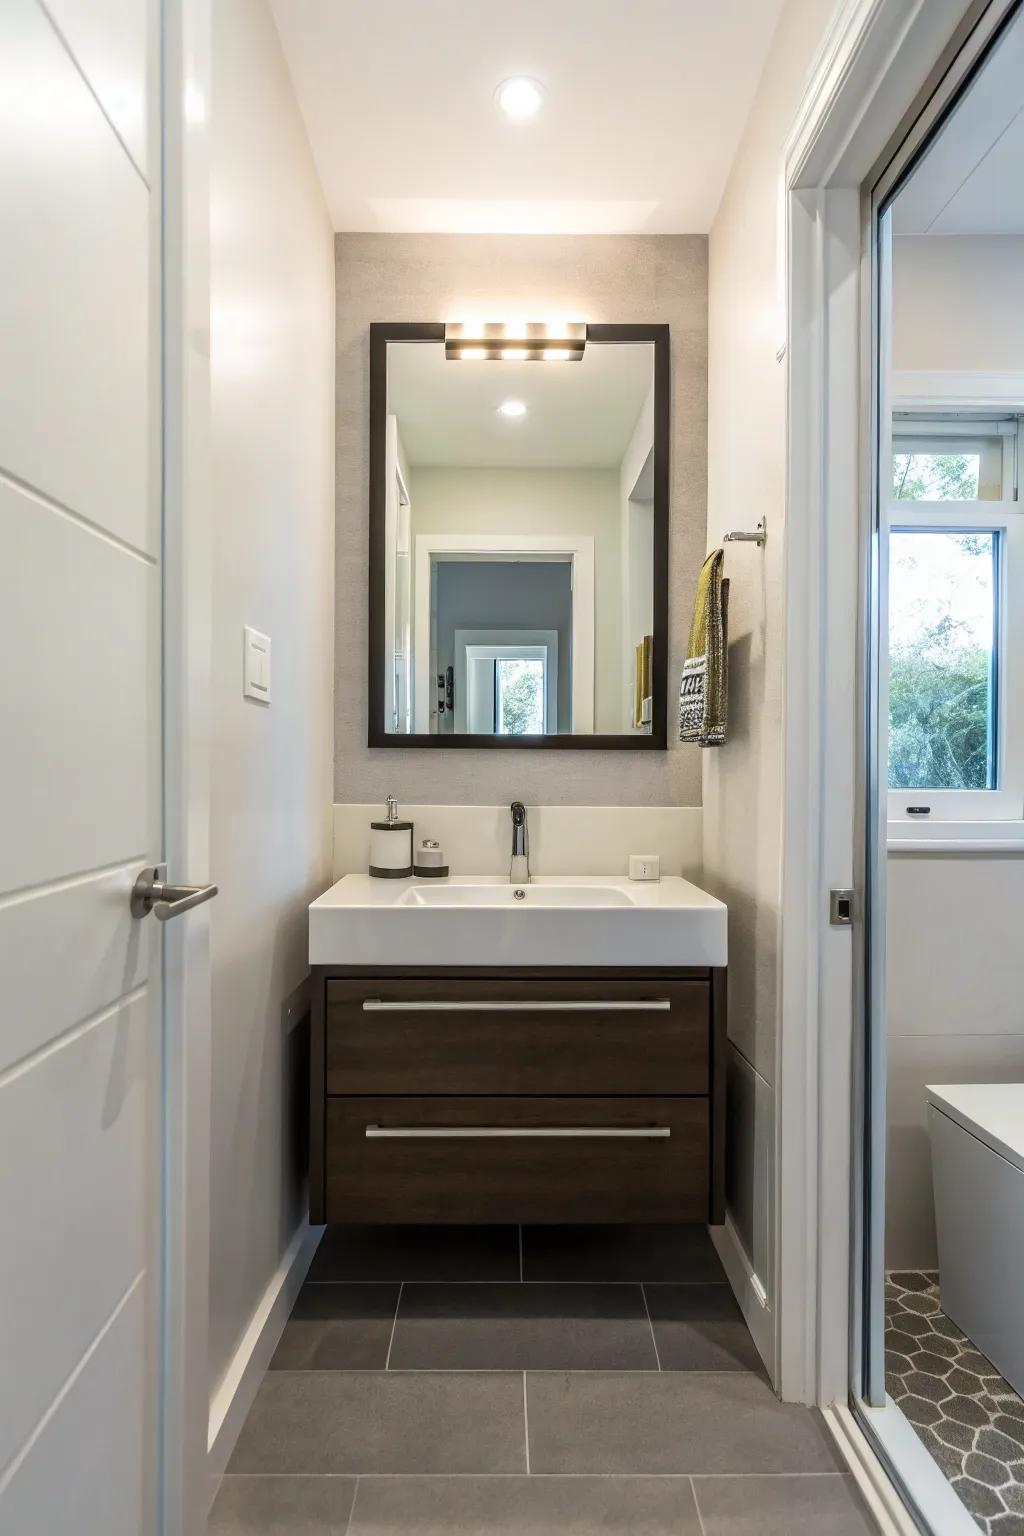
x=272 y=332
x=547 y=502
x=747 y=481
x=955 y=1014
x=973 y=282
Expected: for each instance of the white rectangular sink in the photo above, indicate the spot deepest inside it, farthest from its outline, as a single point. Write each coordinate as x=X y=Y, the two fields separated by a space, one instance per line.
x=483 y=920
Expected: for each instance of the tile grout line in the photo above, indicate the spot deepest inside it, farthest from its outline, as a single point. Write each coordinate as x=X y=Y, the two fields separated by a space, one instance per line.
x=355 y=1495
x=677 y=1477
x=650 y=1324
x=512 y=1370
x=526 y=1425
x=390 y=1280
x=394 y=1325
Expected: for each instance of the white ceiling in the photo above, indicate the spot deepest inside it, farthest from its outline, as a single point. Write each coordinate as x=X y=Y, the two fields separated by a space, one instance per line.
x=579 y=415
x=645 y=104
x=972 y=181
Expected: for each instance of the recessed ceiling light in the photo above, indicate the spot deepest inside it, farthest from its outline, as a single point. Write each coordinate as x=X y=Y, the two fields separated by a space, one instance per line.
x=512 y=408
x=519 y=98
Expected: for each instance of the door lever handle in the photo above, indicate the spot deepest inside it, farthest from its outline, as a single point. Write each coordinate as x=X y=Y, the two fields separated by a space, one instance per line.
x=152 y=893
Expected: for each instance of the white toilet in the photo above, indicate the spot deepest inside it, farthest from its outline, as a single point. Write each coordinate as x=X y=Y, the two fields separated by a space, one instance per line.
x=977 y=1141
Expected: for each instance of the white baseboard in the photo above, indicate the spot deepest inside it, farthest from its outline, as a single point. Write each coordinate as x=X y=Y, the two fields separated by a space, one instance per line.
x=233 y=1398
x=748 y=1290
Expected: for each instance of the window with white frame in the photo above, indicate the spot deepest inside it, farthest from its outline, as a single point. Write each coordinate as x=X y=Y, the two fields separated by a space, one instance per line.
x=956 y=622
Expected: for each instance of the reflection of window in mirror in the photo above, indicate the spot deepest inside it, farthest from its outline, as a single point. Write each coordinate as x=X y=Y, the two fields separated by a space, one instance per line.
x=519 y=543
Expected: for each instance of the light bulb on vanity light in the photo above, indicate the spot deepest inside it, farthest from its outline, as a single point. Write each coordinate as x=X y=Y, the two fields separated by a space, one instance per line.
x=512 y=408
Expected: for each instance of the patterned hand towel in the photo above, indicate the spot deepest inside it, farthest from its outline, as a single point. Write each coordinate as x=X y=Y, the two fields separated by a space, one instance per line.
x=703 y=692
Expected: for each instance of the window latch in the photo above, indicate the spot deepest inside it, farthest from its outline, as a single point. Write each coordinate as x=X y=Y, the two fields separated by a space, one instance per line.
x=840 y=907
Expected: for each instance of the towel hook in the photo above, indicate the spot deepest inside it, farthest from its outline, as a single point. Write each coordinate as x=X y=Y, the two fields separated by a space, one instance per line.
x=748 y=538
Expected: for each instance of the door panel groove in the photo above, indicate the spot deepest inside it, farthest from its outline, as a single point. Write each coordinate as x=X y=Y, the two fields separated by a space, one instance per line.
x=10 y=1471
x=69 y=882
x=69 y=1036
x=77 y=519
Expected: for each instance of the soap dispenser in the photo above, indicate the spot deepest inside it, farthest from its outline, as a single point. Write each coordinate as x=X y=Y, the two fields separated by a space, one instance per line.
x=391 y=846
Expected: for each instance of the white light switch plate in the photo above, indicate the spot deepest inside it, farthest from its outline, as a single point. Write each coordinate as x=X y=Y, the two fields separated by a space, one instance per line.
x=256 y=667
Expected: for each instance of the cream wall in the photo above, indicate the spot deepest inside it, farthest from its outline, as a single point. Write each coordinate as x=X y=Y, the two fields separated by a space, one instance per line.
x=272 y=316
x=974 y=283
x=747 y=481
x=635 y=278
x=546 y=502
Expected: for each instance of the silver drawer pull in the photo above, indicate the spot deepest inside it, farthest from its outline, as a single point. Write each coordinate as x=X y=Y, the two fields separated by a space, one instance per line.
x=647 y=1005
x=514 y=1132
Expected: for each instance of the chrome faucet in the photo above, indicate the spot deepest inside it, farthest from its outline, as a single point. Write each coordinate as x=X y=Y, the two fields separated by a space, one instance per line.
x=519 y=868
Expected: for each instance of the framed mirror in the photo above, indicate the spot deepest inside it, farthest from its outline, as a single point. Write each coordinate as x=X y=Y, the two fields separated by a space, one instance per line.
x=519 y=536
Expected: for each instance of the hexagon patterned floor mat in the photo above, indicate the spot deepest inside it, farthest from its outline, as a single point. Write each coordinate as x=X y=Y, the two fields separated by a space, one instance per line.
x=969 y=1418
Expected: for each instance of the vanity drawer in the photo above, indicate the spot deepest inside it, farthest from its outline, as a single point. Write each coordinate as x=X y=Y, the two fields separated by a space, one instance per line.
x=516 y=1160
x=518 y=1037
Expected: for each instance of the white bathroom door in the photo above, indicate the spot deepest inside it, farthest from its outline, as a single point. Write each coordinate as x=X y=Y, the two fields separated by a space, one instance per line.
x=81 y=1023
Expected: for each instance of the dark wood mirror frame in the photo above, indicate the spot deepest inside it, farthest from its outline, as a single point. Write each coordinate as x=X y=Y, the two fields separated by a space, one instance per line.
x=383 y=332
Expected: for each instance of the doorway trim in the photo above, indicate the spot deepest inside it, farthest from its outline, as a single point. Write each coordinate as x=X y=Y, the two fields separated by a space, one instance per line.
x=578 y=549
x=877 y=65
x=184 y=54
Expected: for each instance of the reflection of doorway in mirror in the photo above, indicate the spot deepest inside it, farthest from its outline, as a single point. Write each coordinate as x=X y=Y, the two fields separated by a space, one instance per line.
x=439 y=557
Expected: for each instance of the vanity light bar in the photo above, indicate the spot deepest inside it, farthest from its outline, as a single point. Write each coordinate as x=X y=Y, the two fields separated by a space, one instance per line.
x=532 y=342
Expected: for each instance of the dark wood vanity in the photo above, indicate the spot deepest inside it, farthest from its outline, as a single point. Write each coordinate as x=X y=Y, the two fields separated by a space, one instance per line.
x=517 y=1096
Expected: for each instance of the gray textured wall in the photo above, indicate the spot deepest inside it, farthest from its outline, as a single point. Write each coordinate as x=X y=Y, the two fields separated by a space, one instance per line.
x=602 y=278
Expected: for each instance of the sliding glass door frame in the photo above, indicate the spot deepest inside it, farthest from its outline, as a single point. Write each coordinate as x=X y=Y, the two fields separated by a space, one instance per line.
x=887 y=1431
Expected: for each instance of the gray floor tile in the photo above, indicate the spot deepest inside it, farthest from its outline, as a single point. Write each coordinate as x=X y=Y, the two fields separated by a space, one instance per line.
x=728 y=1421
x=523 y=1327
x=267 y=1506
x=338 y=1327
x=620 y=1253
x=520 y=1506
x=355 y=1421
x=417 y=1253
x=700 y=1328
x=781 y=1506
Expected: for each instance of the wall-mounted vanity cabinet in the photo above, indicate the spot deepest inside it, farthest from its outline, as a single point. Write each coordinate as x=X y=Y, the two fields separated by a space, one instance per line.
x=518 y=1096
